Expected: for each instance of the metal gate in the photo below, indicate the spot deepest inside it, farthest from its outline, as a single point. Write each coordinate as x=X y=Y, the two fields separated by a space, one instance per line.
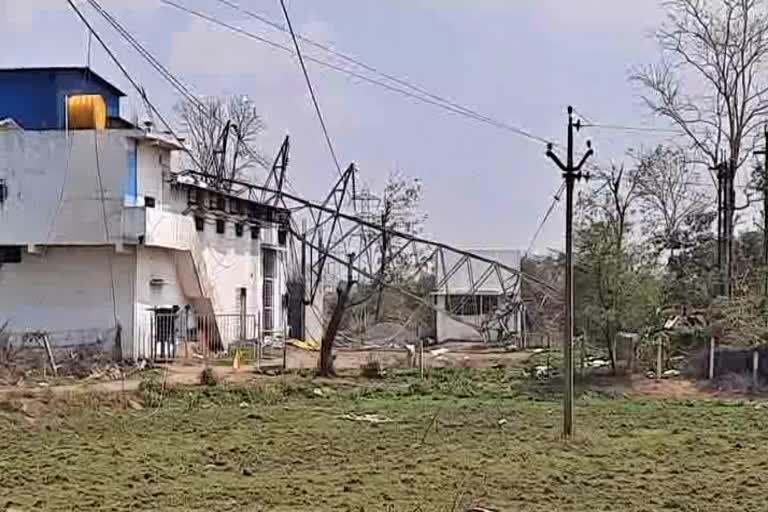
x=181 y=334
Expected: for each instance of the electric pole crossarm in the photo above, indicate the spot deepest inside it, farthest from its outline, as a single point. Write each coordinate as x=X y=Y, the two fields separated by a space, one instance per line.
x=586 y=156
x=551 y=154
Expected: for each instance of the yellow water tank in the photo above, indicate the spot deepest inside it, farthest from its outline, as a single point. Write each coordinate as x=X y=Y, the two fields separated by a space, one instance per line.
x=87 y=112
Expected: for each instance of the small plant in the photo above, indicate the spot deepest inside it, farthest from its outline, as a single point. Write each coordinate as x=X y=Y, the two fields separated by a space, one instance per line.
x=208 y=377
x=151 y=391
x=372 y=369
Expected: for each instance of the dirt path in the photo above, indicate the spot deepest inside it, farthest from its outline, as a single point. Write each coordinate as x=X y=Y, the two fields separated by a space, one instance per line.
x=348 y=361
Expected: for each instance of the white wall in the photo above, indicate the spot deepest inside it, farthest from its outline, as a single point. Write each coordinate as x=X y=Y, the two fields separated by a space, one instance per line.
x=223 y=263
x=42 y=166
x=152 y=165
x=39 y=167
x=67 y=290
x=449 y=329
x=154 y=263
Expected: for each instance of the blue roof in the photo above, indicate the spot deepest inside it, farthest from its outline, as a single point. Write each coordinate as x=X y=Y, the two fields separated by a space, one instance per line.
x=35 y=97
x=87 y=72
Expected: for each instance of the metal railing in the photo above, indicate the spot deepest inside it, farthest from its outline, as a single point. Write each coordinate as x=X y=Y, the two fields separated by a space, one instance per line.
x=182 y=335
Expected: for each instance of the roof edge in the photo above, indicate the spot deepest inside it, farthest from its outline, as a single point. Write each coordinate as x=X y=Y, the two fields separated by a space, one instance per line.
x=83 y=69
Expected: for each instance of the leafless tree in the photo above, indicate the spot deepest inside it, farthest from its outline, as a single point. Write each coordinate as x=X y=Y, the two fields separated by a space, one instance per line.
x=400 y=210
x=612 y=201
x=221 y=133
x=670 y=193
x=710 y=81
x=712 y=84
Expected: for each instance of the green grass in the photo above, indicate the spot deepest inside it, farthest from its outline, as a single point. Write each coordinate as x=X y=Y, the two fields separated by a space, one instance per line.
x=459 y=439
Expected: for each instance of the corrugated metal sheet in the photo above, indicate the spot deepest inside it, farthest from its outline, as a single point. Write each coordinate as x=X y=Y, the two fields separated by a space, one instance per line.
x=36 y=98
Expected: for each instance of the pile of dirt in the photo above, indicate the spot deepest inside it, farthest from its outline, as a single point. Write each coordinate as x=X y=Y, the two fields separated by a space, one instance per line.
x=94 y=361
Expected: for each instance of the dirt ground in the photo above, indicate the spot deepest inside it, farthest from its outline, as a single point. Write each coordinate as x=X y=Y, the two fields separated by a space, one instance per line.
x=349 y=362
x=447 y=355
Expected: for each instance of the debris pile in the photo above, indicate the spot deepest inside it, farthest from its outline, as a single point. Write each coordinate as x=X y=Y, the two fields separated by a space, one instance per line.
x=37 y=354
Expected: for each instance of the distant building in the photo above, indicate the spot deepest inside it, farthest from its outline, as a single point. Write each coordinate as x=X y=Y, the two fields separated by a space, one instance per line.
x=98 y=229
x=473 y=308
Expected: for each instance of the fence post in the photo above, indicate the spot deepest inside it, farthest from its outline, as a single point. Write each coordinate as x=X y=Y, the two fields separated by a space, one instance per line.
x=711 y=367
x=659 y=353
x=285 y=354
x=755 y=369
x=421 y=359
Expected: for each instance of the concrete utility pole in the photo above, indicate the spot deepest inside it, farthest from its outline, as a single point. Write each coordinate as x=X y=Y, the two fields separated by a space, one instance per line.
x=764 y=152
x=570 y=174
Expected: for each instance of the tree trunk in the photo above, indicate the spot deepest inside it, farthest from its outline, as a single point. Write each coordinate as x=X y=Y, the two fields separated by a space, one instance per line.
x=611 y=344
x=326 y=347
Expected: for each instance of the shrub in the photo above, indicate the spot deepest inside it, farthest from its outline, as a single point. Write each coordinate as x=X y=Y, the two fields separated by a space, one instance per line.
x=372 y=369
x=208 y=377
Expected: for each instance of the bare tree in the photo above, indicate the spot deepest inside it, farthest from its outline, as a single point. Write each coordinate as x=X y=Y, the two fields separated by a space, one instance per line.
x=711 y=83
x=617 y=193
x=669 y=193
x=221 y=133
x=400 y=210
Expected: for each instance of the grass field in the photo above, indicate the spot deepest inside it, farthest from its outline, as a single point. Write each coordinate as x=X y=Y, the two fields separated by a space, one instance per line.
x=458 y=440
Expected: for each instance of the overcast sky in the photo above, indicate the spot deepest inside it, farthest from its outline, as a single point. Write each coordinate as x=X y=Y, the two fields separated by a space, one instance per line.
x=519 y=61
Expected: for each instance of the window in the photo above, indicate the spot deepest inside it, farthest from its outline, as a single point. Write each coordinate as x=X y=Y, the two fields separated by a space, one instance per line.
x=463 y=305
x=235 y=206
x=255 y=232
x=195 y=197
x=239 y=230
x=282 y=236
x=3 y=191
x=472 y=305
x=217 y=202
x=10 y=254
x=220 y=226
x=149 y=202
x=269 y=272
x=199 y=223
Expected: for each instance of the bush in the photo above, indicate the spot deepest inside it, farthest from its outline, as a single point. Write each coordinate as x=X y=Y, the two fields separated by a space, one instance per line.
x=151 y=391
x=372 y=369
x=208 y=377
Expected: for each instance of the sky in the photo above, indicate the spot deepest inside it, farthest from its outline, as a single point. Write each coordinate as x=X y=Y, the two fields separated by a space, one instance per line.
x=518 y=61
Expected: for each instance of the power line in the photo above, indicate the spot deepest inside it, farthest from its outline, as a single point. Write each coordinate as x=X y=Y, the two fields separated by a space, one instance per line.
x=175 y=82
x=618 y=127
x=555 y=200
x=133 y=82
x=357 y=62
x=466 y=113
x=311 y=89
x=103 y=200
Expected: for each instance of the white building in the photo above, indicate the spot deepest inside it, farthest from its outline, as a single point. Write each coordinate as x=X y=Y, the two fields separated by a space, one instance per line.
x=97 y=229
x=477 y=303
